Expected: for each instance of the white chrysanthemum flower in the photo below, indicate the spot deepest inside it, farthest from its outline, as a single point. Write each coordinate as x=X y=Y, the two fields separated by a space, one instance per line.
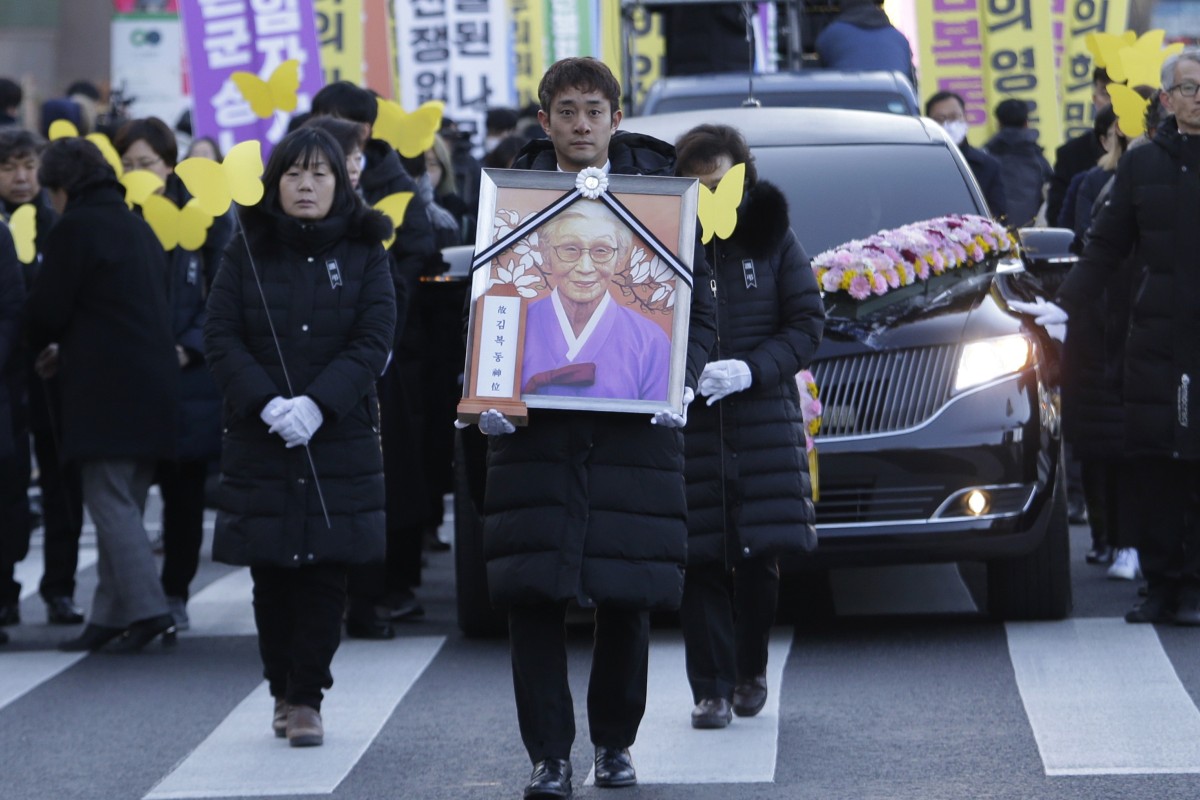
x=591 y=182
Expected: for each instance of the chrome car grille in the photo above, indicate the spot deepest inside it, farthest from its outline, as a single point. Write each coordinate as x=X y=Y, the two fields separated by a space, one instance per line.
x=882 y=392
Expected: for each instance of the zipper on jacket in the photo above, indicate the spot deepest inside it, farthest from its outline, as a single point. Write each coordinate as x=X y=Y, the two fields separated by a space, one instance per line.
x=1182 y=401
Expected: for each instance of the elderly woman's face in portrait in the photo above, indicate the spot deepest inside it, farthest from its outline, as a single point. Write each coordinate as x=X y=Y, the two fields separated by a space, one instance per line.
x=306 y=192
x=583 y=254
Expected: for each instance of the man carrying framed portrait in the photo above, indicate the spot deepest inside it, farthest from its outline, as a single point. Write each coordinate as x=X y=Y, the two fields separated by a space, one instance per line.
x=586 y=501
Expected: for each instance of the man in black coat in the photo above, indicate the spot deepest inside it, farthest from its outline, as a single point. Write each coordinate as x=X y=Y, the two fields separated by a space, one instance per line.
x=1151 y=215
x=1078 y=154
x=588 y=506
x=950 y=111
x=14 y=459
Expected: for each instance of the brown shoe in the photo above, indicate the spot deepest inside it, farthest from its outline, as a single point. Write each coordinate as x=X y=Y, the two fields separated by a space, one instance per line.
x=279 y=721
x=304 y=728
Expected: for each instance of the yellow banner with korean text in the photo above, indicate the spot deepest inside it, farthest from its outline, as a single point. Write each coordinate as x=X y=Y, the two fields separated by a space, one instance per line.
x=648 y=44
x=1081 y=18
x=950 y=41
x=340 y=31
x=1018 y=40
x=529 y=47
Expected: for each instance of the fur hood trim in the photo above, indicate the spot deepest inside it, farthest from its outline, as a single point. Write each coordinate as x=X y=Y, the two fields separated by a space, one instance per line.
x=762 y=220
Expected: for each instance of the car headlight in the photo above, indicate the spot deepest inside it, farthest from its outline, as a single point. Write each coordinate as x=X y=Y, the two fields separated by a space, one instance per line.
x=990 y=359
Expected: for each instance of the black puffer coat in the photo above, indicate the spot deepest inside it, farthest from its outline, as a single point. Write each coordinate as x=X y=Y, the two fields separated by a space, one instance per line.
x=756 y=436
x=335 y=342
x=592 y=505
x=1151 y=215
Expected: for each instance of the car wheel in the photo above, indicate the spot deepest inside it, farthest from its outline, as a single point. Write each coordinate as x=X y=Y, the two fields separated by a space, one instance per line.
x=1037 y=585
x=476 y=616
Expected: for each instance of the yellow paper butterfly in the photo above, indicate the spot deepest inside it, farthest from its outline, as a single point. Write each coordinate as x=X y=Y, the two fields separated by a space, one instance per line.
x=394 y=205
x=1130 y=108
x=276 y=93
x=1142 y=65
x=411 y=134
x=1105 y=47
x=23 y=223
x=718 y=210
x=185 y=227
x=236 y=179
x=140 y=184
x=63 y=129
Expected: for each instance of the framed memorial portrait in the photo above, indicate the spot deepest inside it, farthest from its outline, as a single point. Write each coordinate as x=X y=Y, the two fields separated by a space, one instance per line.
x=581 y=289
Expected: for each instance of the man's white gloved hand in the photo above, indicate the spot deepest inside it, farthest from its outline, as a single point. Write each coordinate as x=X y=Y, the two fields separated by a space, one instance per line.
x=1043 y=311
x=668 y=418
x=275 y=410
x=299 y=424
x=721 y=378
x=493 y=423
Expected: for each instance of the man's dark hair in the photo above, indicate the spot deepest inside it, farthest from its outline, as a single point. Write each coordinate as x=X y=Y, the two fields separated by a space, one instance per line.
x=344 y=99
x=940 y=96
x=73 y=165
x=349 y=135
x=302 y=147
x=85 y=88
x=154 y=132
x=698 y=150
x=586 y=74
x=10 y=94
x=501 y=119
x=1100 y=75
x=1012 y=113
x=19 y=143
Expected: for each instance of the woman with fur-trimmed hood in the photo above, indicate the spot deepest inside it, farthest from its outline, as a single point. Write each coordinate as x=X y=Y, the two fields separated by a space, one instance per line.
x=748 y=489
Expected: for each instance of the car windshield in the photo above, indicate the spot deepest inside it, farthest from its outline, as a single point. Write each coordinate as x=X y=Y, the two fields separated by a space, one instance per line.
x=843 y=192
x=889 y=102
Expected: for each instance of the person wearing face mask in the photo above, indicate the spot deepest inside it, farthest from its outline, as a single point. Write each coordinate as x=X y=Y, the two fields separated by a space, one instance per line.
x=950 y=111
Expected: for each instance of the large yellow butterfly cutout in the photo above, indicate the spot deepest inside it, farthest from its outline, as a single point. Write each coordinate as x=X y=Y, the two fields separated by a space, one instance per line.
x=394 y=205
x=718 y=210
x=65 y=129
x=23 y=224
x=1129 y=58
x=140 y=184
x=411 y=134
x=185 y=227
x=236 y=179
x=1105 y=48
x=276 y=93
x=1130 y=108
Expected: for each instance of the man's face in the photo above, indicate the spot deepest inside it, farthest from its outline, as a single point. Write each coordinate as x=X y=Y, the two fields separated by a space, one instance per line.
x=1186 y=109
x=1100 y=97
x=18 y=179
x=583 y=254
x=580 y=125
x=947 y=110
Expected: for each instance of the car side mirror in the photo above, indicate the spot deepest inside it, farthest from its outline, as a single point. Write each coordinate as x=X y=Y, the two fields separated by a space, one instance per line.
x=1047 y=249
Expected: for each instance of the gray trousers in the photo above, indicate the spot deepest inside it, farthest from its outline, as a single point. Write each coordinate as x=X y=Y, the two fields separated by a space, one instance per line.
x=114 y=491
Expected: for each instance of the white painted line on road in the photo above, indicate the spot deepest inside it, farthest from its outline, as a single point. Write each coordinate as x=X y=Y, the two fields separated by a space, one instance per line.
x=903 y=589
x=1103 y=699
x=224 y=607
x=23 y=672
x=669 y=750
x=243 y=758
x=29 y=572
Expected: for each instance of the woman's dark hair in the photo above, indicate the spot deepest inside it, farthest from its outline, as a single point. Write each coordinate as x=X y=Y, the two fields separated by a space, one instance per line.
x=1105 y=118
x=698 y=150
x=154 y=132
x=349 y=135
x=505 y=152
x=303 y=147
x=73 y=165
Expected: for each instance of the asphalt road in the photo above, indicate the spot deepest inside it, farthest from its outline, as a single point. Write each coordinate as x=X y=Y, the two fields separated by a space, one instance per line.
x=906 y=693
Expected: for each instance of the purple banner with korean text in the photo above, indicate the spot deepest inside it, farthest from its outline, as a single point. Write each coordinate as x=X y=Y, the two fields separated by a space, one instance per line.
x=255 y=36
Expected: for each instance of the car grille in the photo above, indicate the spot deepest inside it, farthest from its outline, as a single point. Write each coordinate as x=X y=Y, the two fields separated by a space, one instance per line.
x=860 y=504
x=882 y=392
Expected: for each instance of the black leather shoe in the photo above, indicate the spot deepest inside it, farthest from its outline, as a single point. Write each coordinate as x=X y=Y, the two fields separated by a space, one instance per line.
x=63 y=611
x=10 y=614
x=551 y=778
x=92 y=639
x=750 y=696
x=144 y=631
x=614 y=768
x=1099 y=554
x=1158 y=607
x=369 y=628
x=711 y=713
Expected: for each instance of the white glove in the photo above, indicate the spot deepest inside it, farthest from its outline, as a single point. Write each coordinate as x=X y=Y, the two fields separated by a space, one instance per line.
x=273 y=411
x=299 y=424
x=668 y=418
x=1043 y=311
x=493 y=423
x=721 y=378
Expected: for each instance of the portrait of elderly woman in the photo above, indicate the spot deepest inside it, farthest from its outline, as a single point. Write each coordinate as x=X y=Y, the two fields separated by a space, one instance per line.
x=580 y=340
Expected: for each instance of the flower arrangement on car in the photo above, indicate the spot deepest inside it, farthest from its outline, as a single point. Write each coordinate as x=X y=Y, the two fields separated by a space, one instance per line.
x=911 y=254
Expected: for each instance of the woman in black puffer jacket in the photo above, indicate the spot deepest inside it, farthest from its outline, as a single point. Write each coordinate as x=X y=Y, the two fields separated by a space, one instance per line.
x=748 y=489
x=326 y=293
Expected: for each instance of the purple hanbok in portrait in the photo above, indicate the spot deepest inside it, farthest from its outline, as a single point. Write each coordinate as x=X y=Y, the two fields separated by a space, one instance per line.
x=619 y=355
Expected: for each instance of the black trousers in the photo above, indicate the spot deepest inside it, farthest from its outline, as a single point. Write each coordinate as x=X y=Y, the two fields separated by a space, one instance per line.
x=1168 y=535
x=14 y=517
x=182 y=487
x=616 y=697
x=299 y=617
x=1105 y=490
x=727 y=619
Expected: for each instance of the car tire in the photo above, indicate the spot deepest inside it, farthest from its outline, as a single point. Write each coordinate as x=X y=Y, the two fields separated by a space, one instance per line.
x=1036 y=586
x=477 y=618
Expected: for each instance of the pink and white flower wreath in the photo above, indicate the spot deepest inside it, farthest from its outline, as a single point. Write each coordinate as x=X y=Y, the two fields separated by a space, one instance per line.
x=902 y=256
